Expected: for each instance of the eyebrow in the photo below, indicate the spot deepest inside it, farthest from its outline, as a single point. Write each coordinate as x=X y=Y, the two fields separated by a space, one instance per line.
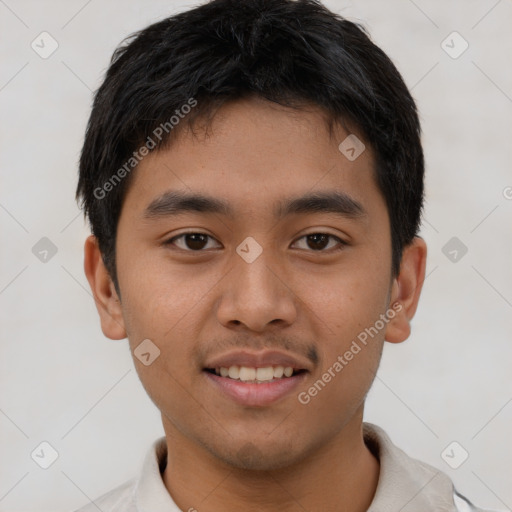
x=177 y=202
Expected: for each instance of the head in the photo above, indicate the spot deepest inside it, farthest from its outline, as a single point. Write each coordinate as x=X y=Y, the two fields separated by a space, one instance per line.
x=300 y=143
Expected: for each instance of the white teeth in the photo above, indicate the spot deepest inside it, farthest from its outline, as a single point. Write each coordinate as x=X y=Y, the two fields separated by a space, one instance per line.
x=233 y=372
x=278 y=372
x=247 y=374
x=265 y=373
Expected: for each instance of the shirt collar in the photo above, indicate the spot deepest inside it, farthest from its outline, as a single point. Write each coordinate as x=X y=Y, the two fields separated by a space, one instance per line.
x=151 y=495
x=405 y=484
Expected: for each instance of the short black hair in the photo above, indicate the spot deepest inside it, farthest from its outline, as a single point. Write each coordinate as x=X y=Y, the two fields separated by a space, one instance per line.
x=291 y=52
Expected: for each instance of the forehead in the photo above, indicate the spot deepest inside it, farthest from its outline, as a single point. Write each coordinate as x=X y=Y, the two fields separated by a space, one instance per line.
x=255 y=153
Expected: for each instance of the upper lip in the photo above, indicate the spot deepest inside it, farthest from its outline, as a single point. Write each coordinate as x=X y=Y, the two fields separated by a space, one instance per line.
x=260 y=359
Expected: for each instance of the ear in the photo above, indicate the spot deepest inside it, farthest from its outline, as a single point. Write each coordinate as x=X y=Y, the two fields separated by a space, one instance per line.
x=406 y=289
x=104 y=292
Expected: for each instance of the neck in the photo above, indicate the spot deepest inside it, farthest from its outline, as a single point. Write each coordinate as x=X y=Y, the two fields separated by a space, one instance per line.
x=340 y=475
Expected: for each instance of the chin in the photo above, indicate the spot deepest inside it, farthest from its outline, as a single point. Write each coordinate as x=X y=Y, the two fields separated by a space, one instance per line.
x=259 y=457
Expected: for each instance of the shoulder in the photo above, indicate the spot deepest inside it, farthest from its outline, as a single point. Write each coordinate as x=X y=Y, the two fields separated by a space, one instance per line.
x=462 y=504
x=119 y=499
x=146 y=489
x=402 y=476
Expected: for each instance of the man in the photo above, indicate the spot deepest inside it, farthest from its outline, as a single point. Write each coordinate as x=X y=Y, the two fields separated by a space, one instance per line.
x=253 y=176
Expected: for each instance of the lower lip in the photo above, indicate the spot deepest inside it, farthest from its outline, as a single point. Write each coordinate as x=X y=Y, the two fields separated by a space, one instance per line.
x=256 y=395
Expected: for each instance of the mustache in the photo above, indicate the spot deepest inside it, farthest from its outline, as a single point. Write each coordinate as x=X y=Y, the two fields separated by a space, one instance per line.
x=287 y=344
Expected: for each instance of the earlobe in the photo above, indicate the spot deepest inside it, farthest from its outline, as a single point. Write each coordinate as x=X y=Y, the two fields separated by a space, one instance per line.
x=103 y=290
x=406 y=290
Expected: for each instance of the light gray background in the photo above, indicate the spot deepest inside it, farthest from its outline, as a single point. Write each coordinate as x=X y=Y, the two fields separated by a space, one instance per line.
x=63 y=382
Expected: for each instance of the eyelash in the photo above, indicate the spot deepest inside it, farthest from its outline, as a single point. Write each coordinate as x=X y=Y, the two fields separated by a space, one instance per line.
x=341 y=242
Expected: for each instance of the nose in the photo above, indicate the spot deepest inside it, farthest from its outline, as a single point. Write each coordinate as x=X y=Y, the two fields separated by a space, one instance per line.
x=257 y=295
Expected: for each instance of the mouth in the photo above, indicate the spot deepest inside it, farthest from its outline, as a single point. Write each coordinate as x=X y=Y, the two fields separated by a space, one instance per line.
x=256 y=379
x=253 y=375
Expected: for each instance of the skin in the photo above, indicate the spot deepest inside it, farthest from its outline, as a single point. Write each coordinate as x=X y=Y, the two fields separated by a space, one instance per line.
x=286 y=456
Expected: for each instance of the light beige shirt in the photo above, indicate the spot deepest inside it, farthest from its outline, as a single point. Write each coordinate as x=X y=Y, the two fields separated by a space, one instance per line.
x=405 y=484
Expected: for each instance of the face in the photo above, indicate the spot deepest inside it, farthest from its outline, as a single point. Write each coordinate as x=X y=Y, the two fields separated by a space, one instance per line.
x=267 y=284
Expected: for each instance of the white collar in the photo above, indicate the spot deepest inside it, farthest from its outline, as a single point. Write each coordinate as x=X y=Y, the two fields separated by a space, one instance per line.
x=405 y=484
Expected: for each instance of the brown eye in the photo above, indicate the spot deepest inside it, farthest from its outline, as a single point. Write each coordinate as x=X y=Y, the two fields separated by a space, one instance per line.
x=319 y=241
x=192 y=242
x=198 y=242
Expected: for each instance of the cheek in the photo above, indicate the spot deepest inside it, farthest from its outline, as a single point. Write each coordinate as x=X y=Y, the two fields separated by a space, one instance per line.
x=170 y=308
x=158 y=296
x=350 y=348
x=348 y=299
x=348 y=308
x=164 y=310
